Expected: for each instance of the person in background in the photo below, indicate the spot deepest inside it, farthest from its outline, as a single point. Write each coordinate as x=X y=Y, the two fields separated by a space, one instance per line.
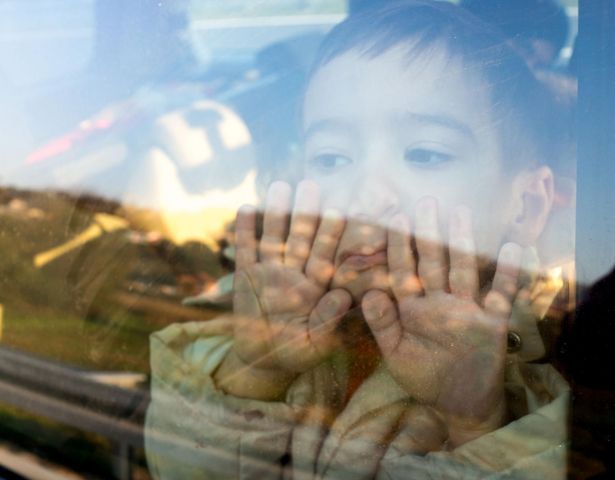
x=538 y=28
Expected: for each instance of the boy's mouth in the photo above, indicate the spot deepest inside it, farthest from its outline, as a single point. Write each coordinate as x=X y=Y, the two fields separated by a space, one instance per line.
x=359 y=261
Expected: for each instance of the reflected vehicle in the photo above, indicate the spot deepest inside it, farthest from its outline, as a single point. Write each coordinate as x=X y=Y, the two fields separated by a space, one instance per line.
x=119 y=221
x=181 y=154
x=119 y=197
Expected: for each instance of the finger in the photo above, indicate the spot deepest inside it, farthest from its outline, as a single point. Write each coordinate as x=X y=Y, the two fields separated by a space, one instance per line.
x=463 y=274
x=500 y=298
x=381 y=316
x=303 y=225
x=402 y=267
x=320 y=266
x=245 y=237
x=275 y=222
x=325 y=317
x=248 y=316
x=431 y=264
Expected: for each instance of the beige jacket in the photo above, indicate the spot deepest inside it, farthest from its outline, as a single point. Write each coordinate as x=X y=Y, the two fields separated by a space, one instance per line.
x=194 y=431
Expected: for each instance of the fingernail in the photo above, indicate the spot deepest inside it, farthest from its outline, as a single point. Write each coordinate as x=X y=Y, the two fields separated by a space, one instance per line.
x=426 y=209
x=370 y=299
x=246 y=209
x=511 y=253
x=455 y=221
x=399 y=222
x=332 y=214
x=427 y=204
x=461 y=219
x=279 y=197
x=307 y=187
x=277 y=189
x=335 y=304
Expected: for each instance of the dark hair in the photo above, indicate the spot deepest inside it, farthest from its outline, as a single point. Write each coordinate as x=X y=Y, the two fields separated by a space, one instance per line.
x=524 y=20
x=523 y=107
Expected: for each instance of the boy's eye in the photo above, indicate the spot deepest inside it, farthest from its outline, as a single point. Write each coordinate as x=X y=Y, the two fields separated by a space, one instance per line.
x=426 y=157
x=329 y=161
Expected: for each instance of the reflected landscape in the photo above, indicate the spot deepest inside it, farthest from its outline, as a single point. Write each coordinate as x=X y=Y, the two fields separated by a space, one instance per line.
x=319 y=240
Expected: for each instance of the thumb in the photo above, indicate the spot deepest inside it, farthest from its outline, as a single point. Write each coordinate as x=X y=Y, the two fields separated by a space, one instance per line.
x=381 y=316
x=326 y=316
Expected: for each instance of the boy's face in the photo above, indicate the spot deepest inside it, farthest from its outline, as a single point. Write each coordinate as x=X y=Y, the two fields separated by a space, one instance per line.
x=382 y=133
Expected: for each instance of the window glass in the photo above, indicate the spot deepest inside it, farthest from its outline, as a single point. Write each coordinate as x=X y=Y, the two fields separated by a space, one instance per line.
x=307 y=238
x=45 y=40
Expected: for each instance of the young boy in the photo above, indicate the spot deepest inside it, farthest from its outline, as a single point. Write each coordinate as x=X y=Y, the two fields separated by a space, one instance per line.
x=426 y=143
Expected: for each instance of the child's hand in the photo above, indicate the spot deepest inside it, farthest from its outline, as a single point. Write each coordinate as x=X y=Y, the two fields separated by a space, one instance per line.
x=284 y=317
x=442 y=345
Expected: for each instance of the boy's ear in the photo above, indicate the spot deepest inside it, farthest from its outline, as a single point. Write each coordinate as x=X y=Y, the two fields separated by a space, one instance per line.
x=533 y=193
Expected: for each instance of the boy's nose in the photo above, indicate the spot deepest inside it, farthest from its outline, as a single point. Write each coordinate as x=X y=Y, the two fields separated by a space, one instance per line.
x=374 y=198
